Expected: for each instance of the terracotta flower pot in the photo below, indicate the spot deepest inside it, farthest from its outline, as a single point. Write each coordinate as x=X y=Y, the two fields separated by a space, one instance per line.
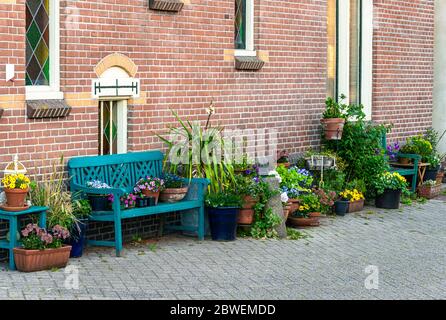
x=152 y=194
x=355 y=206
x=315 y=215
x=246 y=214
x=286 y=212
x=404 y=160
x=172 y=195
x=294 y=205
x=333 y=128
x=37 y=260
x=16 y=197
x=304 y=222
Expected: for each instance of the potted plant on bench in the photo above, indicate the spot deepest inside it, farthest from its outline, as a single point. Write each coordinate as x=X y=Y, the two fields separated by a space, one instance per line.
x=150 y=187
x=42 y=249
x=175 y=188
x=389 y=187
x=99 y=202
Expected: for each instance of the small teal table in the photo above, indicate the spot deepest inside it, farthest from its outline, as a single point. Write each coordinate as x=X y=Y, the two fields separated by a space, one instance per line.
x=12 y=217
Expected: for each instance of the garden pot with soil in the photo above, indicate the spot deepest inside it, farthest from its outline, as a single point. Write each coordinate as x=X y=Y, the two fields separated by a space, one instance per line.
x=341 y=207
x=303 y=222
x=223 y=223
x=172 y=195
x=390 y=199
x=431 y=174
x=333 y=128
x=356 y=206
x=38 y=260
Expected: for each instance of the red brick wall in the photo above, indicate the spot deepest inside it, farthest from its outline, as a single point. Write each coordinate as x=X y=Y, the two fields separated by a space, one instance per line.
x=181 y=66
x=403 y=65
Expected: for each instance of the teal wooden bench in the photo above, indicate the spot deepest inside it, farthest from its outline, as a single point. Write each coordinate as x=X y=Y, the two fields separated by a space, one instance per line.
x=122 y=172
x=413 y=172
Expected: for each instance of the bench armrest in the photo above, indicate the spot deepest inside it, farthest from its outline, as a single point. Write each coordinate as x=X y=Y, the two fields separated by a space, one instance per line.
x=197 y=188
x=115 y=191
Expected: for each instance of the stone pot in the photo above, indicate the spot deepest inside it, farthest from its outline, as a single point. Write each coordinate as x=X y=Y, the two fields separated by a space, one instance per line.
x=37 y=260
x=172 y=195
x=333 y=128
x=355 y=206
x=429 y=192
x=16 y=197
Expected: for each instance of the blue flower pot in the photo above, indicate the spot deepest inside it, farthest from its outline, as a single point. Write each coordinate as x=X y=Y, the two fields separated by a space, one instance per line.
x=223 y=223
x=390 y=199
x=99 y=203
x=78 y=239
x=341 y=207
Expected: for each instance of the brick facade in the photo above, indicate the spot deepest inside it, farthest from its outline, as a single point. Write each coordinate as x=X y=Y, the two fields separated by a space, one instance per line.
x=185 y=59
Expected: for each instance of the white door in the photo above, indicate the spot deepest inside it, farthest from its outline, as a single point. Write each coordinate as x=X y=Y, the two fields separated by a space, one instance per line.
x=112 y=127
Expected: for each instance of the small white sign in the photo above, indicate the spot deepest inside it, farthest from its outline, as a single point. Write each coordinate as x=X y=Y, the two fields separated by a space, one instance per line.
x=125 y=87
x=10 y=72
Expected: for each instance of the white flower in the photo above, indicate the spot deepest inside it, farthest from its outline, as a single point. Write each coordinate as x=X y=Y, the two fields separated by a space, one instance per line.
x=275 y=174
x=210 y=110
x=284 y=197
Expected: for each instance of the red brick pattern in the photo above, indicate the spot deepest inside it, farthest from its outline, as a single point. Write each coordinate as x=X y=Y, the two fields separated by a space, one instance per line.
x=180 y=59
x=403 y=65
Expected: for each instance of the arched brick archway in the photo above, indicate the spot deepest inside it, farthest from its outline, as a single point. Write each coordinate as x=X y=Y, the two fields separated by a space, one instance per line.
x=116 y=60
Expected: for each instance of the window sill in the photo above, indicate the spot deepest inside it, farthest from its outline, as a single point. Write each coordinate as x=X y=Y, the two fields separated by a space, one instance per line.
x=43 y=93
x=245 y=53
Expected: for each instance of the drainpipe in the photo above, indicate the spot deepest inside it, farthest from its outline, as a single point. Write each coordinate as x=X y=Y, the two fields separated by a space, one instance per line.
x=439 y=111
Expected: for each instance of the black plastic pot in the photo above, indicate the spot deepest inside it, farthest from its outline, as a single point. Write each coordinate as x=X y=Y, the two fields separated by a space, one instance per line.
x=390 y=199
x=99 y=203
x=78 y=238
x=223 y=223
x=341 y=207
x=142 y=202
x=431 y=174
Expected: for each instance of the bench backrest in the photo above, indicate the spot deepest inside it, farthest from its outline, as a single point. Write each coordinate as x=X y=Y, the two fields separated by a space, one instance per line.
x=118 y=171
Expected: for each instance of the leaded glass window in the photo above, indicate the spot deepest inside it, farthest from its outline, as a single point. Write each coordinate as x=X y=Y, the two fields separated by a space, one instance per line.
x=240 y=24
x=37 y=42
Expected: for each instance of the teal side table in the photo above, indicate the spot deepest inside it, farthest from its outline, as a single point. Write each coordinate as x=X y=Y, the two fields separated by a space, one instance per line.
x=12 y=217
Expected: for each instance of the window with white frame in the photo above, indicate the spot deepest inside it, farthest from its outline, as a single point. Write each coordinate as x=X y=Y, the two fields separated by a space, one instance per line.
x=349 y=56
x=112 y=127
x=42 y=50
x=244 y=28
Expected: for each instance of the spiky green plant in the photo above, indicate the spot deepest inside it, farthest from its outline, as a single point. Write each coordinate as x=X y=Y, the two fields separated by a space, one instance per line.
x=194 y=152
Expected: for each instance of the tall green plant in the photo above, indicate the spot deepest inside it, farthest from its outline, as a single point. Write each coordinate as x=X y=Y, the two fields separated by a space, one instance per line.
x=52 y=193
x=195 y=152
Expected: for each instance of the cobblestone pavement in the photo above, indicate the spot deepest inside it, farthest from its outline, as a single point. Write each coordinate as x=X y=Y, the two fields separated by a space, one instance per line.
x=408 y=246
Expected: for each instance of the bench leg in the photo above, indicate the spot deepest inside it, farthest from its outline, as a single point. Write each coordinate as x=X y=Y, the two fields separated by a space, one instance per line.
x=414 y=183
x=201 y=224
x=12 y=241
x=118 y=236
x=42 y=219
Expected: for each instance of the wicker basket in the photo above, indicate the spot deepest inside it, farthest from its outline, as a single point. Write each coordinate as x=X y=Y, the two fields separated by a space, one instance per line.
x=429 y=192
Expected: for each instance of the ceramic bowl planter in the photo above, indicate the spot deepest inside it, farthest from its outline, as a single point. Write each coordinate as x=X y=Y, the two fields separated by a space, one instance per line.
x=78 y=238
x=303 y=222
x=172 y=195
x=390 y=199
x=355 y=206
x=341 y=207
x=431 y=174
x=333 y=128
x=246 y=214
x=429 y=192
x=223 y=223
x=15 y=198
x=99 y=202
x=38 y=260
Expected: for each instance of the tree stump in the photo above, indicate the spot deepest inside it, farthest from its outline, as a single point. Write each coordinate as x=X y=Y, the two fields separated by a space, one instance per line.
x=276 y=206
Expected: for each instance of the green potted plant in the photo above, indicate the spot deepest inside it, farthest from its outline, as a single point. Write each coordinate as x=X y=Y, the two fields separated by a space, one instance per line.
x=223 y=209
x=416 y=145
x=429 y=189
x=389 y=187
x=16 y=187
x=175 y=188
x=150 y=187
x=249 y=188
x=82 y=211
x=308 y=213
x=42 y=249
x=335 y=115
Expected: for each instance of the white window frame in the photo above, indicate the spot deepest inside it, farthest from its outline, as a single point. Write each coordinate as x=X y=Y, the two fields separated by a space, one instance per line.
x=343 y=81
x=249 y=51
x=122 y=125
x=53 y=90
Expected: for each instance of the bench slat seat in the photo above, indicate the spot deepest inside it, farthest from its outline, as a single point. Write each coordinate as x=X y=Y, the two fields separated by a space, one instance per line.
x=122 y=172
